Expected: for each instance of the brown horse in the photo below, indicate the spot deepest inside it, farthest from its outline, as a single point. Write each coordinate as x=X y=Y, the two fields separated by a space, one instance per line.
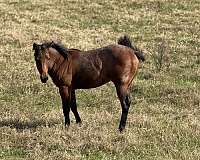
x=72 y=69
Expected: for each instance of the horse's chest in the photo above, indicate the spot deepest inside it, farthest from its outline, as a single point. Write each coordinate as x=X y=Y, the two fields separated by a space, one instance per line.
x=57 y=81
x=60 y=81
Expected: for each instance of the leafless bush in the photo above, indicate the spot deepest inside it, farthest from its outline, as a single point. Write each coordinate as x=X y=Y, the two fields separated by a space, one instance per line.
x=161 y=56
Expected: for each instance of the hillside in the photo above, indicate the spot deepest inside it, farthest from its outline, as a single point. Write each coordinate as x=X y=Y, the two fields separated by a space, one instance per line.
x=164 y=118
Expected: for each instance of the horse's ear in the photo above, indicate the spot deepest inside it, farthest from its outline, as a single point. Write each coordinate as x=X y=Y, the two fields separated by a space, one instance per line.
x=35 y=46
x=43 y=46
x=52 y=43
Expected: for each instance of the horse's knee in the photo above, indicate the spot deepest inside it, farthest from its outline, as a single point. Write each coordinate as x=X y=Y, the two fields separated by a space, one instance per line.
x=125 y=109
x=126 y=104
x=127 y=100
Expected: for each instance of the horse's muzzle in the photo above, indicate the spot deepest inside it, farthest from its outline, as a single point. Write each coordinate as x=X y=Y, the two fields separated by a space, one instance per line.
x=44 y=78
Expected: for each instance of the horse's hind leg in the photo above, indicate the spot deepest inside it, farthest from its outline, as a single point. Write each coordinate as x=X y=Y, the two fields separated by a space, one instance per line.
x=73 y=106
x=123 y=95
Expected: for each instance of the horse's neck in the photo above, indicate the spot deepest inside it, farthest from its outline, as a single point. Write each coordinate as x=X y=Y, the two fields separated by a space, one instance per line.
x=55 y=62
x=61 y=70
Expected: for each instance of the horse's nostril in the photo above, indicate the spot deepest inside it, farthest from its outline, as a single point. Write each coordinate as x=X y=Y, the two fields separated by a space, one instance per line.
x=44 y=79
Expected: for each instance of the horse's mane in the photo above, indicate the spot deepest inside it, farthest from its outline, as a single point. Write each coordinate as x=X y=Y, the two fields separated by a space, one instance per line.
x=74 y=49
x=59 y=47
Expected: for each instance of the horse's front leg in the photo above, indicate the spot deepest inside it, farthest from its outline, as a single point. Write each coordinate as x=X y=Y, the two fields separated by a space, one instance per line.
x=65 y=96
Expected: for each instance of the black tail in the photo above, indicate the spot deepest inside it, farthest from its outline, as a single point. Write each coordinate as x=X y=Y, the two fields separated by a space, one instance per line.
x=125 y=41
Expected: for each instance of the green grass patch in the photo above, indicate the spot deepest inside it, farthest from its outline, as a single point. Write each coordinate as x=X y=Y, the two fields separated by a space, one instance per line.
x=12 y=153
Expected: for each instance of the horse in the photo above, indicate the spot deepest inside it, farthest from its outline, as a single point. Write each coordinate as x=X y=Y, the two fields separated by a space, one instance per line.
x=72 y=69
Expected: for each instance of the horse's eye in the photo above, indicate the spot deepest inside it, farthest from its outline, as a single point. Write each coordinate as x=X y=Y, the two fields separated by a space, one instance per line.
x=38 y=63
x=37 y=57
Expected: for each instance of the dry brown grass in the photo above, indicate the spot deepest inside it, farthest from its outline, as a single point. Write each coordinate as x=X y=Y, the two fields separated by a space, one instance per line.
x=164 y=118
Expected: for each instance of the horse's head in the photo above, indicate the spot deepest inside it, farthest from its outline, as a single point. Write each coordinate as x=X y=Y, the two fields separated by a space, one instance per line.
x=42 y=58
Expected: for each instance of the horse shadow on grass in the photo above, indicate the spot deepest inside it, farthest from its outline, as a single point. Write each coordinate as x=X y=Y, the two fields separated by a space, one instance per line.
x=32 y=124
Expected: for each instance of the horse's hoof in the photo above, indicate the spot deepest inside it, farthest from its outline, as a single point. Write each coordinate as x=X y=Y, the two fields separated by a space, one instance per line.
x=79 y=122
x=121 y=129
x=67 y=127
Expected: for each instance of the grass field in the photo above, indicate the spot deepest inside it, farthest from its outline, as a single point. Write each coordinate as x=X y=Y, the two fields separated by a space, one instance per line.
x=164 y=118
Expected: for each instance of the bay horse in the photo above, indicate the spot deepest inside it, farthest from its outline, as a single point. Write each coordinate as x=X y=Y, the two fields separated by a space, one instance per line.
x=72 y=69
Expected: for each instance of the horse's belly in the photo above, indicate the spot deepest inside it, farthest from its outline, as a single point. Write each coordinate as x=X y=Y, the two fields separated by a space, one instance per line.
x=90 y=83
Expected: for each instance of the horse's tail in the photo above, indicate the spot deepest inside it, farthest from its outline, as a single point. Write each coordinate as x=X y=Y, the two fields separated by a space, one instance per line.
x=125 y=41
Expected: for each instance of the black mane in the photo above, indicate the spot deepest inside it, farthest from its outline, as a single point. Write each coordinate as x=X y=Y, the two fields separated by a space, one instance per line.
x=59 y=47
